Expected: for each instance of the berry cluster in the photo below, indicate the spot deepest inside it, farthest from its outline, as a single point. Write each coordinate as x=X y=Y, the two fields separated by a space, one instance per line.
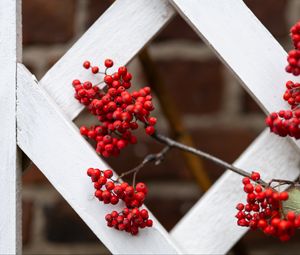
x=129 y=220
x=294 y=55
x=292 y=94
x=118 y=110
x=110 y=191
x=263 y=210
x=286 y=122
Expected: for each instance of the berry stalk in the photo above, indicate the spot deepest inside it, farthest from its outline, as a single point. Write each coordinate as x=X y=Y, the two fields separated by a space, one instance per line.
x=151 y=158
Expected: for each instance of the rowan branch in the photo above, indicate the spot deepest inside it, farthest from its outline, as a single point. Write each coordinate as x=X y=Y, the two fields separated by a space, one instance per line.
x=151 y=158
x=174 y=144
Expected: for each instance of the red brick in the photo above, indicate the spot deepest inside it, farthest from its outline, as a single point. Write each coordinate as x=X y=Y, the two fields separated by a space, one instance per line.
x=47 y=21
x=95 y=9
x=52 y=60
x=195 y=86
x=272 y=14
x=27 y=216
x=249 y=105
x=225 y=143
x=63 y=225
x=33 y=176
x=177 y=29
x=30 y=67
x=169 y=210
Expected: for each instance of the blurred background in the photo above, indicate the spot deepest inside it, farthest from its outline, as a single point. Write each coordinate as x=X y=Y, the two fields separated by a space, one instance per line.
x=207 y=100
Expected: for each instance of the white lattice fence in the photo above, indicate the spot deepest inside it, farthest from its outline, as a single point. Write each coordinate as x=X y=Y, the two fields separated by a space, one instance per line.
x=38 y=117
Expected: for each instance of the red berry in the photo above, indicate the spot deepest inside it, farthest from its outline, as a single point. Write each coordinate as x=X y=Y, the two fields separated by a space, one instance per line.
x=149 y=223
x=86 y=64
x=152 y=121
x=108 y=173
x=109 y=185
x=144 y=214
x=84 y=130
x=150 y=130
x=246 y=180
x=129 y=191
x=255 y=176
x=291 y=216
x=90 y=171
x=141 y=187
x=114 y=200
x=108 y=63
x=240 y=206
x=122 y=70
x=95 y=69
x=283 y=196
x=248 y=188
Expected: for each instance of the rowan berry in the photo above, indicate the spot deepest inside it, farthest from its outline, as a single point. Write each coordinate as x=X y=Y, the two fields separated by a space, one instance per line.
x=108 y=63
x=263 y=210
x=255 y=176
x=150 y=130
x=108 y=173
x=95 y=69
x=86 y=64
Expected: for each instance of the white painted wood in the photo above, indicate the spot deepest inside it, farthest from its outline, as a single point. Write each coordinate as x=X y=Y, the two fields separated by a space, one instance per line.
x=118 y=34
x=210 y=226
x=257 y=59
x=243 y=44
x=54 y=144
x=10 y=234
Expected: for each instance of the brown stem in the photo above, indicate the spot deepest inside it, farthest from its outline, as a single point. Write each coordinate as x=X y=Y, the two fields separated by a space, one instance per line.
x=280 y=182
x=172 y=143
x=155 y=158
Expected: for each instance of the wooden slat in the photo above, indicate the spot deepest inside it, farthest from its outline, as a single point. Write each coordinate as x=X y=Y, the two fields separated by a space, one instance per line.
x=243 y=44
x=247 y=48
x=54 y=144
x=10 y=231
x=210 y=226
x=257 y=59
x=118 y=34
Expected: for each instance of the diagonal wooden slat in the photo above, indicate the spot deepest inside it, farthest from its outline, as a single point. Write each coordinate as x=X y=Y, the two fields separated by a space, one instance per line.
x=10 y=46
x=243 y=44
x=54 y=144
x=257 y=59
x=210 y=226
x=118 y=34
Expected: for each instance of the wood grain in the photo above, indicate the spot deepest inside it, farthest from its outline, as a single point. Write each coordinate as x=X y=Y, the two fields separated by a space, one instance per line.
x=10 y=216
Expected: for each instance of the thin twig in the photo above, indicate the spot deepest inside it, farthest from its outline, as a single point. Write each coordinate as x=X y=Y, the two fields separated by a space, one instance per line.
x=172 y=143
x=155 y=158
x=280 y=182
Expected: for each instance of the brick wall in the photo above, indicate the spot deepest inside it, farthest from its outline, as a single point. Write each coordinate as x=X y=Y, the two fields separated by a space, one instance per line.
x=217 y=112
